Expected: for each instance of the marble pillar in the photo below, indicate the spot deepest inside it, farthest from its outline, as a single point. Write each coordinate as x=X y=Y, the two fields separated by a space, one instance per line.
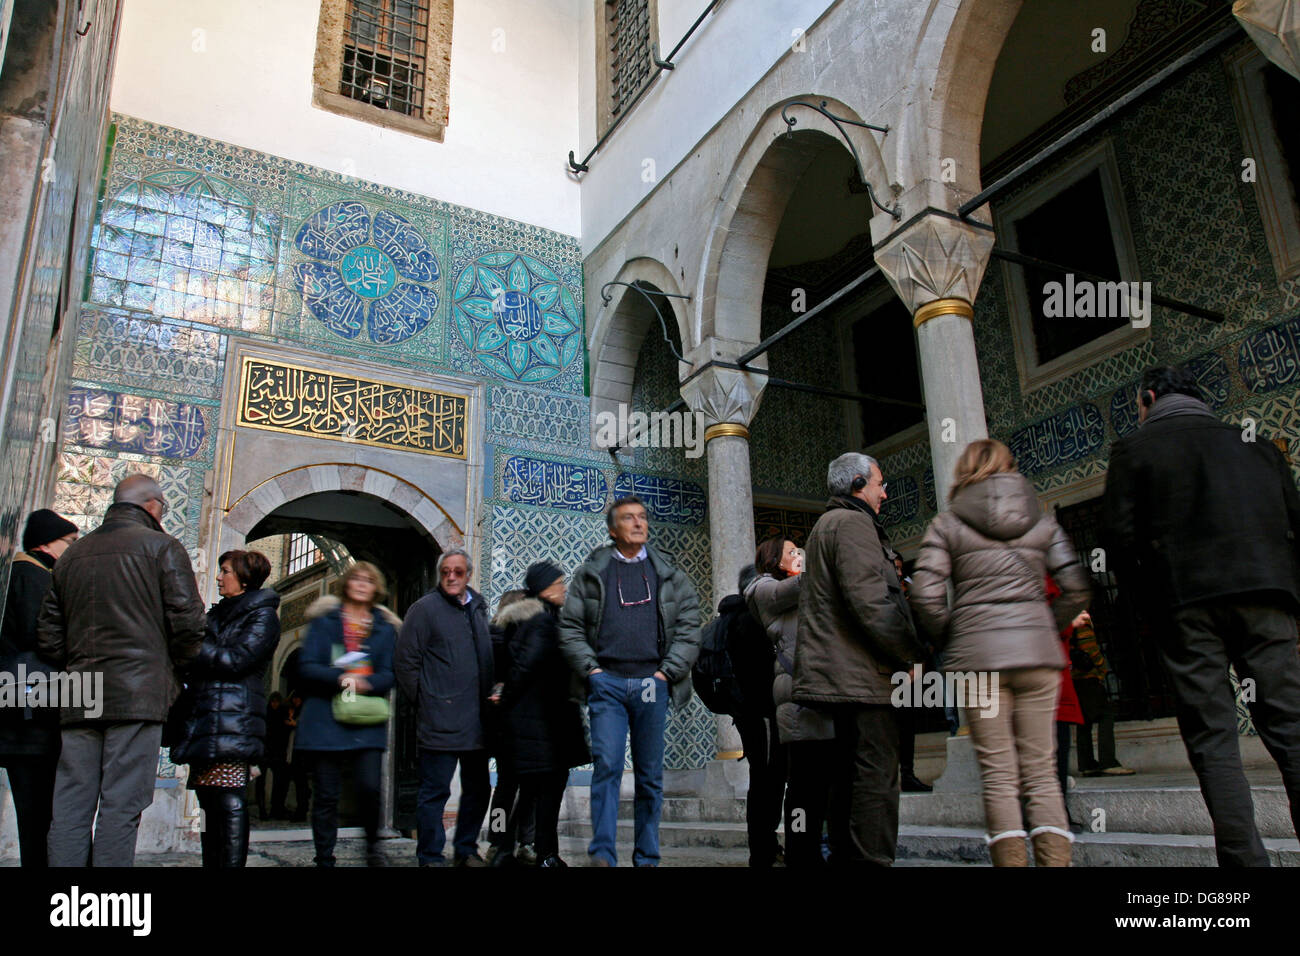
x=935 y=265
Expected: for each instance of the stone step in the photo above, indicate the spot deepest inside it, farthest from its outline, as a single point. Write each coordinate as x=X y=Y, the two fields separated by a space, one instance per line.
x=577 y=806
x=1175 y=807
x=966 y=845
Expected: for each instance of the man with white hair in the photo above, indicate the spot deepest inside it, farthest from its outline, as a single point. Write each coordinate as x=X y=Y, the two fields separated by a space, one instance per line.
x=123 y=610
x=854 y=630
x=443 y=663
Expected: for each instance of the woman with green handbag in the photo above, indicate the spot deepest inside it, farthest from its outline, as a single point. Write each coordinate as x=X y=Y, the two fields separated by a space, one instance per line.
x=345 y=671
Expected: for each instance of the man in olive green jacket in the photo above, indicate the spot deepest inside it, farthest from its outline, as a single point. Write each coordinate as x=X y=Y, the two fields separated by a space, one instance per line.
x=855 y=632
x=630 y=628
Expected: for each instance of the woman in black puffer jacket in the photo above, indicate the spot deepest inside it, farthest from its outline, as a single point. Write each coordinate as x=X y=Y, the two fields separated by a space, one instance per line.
x=544 y=738
x=226 y=724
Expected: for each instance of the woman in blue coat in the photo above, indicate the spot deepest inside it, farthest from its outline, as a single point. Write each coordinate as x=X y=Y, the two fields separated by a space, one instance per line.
x=224 y=709
x=347 y=655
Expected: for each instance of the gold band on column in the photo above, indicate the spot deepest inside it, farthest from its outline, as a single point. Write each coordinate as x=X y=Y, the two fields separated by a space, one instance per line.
x=932 y=310
x=730 y=754
x=724 y=429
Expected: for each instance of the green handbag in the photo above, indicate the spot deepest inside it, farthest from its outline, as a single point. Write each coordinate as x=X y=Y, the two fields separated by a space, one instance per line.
x=359 y=710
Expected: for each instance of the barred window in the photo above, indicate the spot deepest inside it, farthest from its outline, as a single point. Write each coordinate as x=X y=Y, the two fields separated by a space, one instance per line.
x=384 y=53
x=302 y=554
x=627 y=31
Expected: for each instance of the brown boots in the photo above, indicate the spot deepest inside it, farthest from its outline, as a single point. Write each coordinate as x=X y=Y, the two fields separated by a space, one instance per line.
x=1008 y=849
x=1051 y=846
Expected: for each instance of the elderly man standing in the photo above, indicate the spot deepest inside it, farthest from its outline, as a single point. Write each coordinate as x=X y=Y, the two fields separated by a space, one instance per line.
x=631 y=627
x=854 y=630
x=443 y=663
x=123 y=608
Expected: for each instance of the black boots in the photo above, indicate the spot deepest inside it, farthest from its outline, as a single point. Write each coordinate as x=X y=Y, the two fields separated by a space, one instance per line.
x=225 y=827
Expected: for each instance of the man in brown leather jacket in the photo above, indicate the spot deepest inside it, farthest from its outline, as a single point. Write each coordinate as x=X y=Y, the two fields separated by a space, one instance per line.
x=123 y=616
x=855 y=631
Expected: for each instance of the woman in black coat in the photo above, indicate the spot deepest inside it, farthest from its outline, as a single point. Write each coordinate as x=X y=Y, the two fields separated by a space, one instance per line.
x=543 y=721
x=225 y=724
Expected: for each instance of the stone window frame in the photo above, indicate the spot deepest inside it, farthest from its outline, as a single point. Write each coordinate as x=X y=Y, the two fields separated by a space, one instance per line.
x=1275 y=195
x=1034 y=374
x=327 y=74
x=878 y=296
x=604 y=85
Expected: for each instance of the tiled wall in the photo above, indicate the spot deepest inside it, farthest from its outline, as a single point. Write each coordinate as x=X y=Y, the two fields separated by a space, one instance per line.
x=198 y=241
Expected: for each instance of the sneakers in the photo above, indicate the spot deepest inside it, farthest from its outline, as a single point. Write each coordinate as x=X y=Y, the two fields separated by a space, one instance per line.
x=593 y=860
x=1118 y=771
x=526 y=855
x=553 y=861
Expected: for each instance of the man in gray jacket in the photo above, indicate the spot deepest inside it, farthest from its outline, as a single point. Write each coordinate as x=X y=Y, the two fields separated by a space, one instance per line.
x=443 y=664
x=854 y=630
x=631 y=627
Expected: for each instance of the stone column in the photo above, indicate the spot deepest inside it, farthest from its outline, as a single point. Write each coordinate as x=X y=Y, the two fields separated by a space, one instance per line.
x=727 y=400
x=935 y=265
x=1274 y=25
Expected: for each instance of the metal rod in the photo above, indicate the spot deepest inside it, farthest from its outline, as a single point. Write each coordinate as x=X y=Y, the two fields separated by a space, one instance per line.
x=838 y=122
x=1178 y=306
x=660 y=66
x=771 y=340
x=1083 y=129
x=663 y=325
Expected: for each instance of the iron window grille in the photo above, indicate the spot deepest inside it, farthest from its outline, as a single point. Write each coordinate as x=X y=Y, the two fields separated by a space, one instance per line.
x=385 y=48
x=303 y=553
x=627 y=31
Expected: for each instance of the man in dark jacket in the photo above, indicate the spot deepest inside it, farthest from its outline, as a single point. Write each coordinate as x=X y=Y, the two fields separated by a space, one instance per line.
x=855 y=629
x=1203 y=526
x=29 y=735
x=631 y=628
x=124 y=610
x=443 y=663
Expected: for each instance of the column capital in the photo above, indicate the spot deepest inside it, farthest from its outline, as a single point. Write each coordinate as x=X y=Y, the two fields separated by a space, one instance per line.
x=936 y=258
x=727 y=397
x=1274 y=25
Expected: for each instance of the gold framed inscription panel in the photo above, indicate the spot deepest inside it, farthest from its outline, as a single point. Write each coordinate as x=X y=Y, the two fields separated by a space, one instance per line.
x=301 y=400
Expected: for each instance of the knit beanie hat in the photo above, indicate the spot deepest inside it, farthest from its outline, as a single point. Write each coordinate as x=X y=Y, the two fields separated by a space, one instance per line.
x=44 y=526
x=541 y=576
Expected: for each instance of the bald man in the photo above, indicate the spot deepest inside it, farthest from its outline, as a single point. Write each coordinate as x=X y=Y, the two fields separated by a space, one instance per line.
x=122 y=617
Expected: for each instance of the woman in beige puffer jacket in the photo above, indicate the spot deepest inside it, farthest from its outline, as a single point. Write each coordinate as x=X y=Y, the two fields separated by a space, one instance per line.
x=997 y=547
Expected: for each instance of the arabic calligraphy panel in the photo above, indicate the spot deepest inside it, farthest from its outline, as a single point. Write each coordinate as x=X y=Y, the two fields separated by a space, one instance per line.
x=306 y=401
x=1271 y=358
x=667 y=499
x=1060 y=439
x=99 y=418
x=553 y=484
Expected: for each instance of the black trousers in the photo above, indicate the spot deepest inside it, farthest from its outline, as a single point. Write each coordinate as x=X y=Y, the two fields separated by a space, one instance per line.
x=224 y=836
x=540 y=796
x=1097 y=709
x=807 y=800
x=864 y=793
x=32 y=781
x=328 y=767
x=906 y=718
x=300 y=774
x=1063 y=759
x=767 y=778
x=1259 y=641
x=512 y=814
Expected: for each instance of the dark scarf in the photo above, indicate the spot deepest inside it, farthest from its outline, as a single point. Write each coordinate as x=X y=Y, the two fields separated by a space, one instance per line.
x=850 y=502
x=1169 y=406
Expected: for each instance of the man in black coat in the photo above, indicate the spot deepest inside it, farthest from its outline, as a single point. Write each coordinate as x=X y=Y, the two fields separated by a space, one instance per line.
x=443 y=663
x=29 y=735
x=1203 y=526
x=124 y=617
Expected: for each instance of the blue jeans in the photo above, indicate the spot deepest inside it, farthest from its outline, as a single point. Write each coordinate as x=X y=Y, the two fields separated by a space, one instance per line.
x=617 y=705
x=436 y=769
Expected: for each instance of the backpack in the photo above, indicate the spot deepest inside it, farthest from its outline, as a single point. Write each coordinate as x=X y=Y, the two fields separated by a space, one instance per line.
x=733 y=674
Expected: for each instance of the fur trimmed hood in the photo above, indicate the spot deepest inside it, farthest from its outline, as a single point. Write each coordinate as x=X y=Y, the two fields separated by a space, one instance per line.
x=522 y=610
x=328 y=603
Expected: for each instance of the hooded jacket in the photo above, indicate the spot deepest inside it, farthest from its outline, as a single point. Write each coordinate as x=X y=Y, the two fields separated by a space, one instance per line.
x=226 y=719
x=26 y=731
x=855 y=630
x=996 y=546
x=775 y=605
x=318 y=678
x=124 y=604
x=679 y=619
